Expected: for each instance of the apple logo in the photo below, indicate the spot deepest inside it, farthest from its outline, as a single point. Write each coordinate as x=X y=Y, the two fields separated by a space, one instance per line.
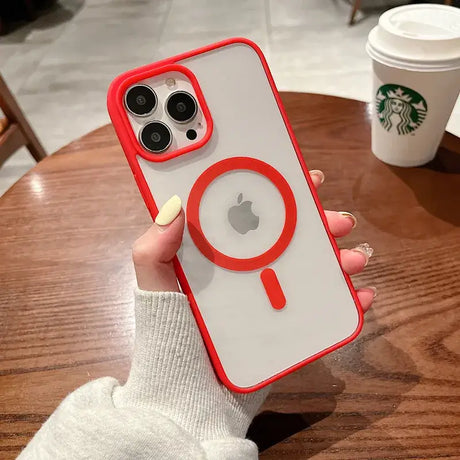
x=241 y=217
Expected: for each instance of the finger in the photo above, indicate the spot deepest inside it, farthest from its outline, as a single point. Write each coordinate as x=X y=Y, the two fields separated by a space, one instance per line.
x=154 y=251
x=317 y=176
x=340 y=223
x=354 y=260
x=366 y=297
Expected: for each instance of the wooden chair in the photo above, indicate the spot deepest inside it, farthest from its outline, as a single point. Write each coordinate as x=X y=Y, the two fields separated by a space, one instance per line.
x=15 y=130
x=357 y=4
x=354 y=10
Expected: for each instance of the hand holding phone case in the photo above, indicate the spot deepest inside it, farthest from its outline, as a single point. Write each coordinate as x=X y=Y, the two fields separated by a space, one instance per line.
x=257 y=262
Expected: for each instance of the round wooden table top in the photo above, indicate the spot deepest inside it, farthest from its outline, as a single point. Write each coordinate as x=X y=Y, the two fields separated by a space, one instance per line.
x=66 y=284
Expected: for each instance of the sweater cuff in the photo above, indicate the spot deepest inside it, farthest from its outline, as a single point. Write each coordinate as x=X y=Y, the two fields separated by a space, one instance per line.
x=167 y=342
x=171 y=372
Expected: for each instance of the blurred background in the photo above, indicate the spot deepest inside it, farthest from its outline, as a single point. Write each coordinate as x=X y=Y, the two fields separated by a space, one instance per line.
x=58 y=57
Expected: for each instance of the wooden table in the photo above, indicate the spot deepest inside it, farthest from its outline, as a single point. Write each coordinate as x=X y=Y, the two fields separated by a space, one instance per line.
x=66 y=285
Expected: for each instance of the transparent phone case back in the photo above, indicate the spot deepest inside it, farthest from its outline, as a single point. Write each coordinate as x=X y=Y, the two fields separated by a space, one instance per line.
x=253 y=340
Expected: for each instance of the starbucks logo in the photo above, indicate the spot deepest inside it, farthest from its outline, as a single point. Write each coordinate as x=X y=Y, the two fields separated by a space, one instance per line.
x=400 y=109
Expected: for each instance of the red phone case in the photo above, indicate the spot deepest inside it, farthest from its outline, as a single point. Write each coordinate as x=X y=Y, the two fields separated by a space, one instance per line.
x=132 y=150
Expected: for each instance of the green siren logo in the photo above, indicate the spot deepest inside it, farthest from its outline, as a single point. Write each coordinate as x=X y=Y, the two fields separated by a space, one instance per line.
x=400 y=109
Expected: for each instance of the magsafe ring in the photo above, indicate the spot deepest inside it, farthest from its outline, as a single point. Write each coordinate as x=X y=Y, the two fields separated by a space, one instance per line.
x=195 y=200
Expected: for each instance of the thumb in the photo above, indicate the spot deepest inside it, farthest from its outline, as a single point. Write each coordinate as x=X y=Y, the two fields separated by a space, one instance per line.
x=154 y=251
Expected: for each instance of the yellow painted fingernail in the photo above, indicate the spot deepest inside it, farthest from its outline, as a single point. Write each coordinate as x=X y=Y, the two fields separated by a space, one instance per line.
x=350 y=216
x=169 y=211
x=320 y=174
x=365 y=249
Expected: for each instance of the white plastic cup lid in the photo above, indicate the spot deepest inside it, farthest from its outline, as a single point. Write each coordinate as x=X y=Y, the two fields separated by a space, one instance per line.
x=420 y=37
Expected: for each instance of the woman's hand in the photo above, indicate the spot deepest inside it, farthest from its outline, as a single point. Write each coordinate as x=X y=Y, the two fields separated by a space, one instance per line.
x=154 y=251
x=171 y=371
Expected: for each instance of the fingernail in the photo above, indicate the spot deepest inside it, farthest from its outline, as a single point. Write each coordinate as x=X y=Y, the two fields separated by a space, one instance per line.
x=365 y=249
x=320 y=174
x=350 y=216
x=373 y=289
x=169 y=211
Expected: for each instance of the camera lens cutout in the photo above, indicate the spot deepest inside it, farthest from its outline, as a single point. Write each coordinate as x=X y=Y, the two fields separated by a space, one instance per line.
x=141 y=100
x=181 y=106
x=155 y=136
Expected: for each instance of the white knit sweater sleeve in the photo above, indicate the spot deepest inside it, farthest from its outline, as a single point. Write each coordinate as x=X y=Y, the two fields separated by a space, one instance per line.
x=171 y=407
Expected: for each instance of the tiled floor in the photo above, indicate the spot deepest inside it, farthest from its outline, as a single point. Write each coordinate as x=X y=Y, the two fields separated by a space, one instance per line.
x=59 y=67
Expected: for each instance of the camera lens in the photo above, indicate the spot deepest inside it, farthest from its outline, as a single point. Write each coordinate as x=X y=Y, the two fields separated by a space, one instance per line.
x=155 y=137
x=181 y=106
x=141 y=100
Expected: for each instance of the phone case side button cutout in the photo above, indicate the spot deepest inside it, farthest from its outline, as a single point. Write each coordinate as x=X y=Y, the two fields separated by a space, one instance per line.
x=273 y=288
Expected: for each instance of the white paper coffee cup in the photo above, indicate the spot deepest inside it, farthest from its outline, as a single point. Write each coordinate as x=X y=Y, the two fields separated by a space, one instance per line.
x=416 y=70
